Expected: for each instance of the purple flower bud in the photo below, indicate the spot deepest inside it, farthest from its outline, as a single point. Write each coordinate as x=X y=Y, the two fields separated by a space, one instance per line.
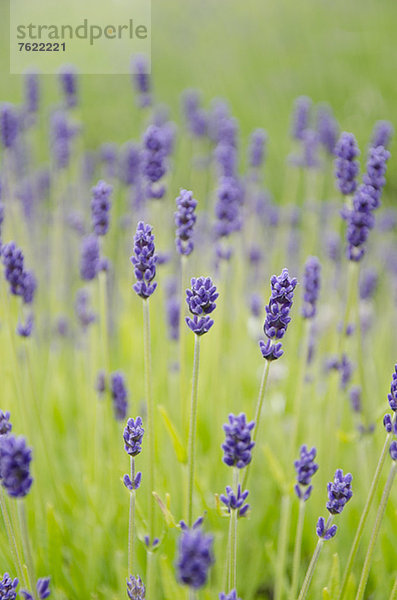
x=393 y=450
x=32 y=92
x=144 y=261
x=89 y=261
x=327 y=128
x=311 y=286
x=238 y=445
x=100 y=207
x=196 y=118
x=235 y=501
x=119 y=393
x=5 y=425
x=280 y=303
x=301 y=116
x=339 y=492
x=305 y=468
x=346 y=165
x=271 y=351
x=195 y=556
x=15 y=459
x=25 y=329
x=324 y=533
x=392 y=397
x=257 y=148
x=185 y=219
x=8 y=587
x=231 y=596
x=133 y=435
x=382 y=134
x=132 y=484
x=135 y=588
x=130 y=163
x=43 y=587
x=82 y=310
x=9 y=124
x=368 y=283
x=388 y=423
x=355 y=398
x=68 y=81
x=141 y=80
x=376 y=170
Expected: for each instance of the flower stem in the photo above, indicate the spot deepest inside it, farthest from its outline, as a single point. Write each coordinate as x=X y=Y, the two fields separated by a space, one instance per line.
x=233 y=538
x=149 y=405
x=192 y=429
x=258 y=411
x=393 y=594
x=11 y=537
x=182 y=338
x=313 y=562
x=297 y=549
x=364 y=516
x=131 y=524
x=282 y=546
x=26 y=545
x=375 y=531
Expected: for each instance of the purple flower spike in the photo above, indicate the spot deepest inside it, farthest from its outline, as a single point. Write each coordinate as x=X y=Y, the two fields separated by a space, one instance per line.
x=13 y=261
x=392 y=397
x=199 y=325
x=231 y=596
x=25 y=329
x=141 y=80
x=100 y=207
x=68 y=81
x=339 y=492
x=305 y=468
x=202 y=295
x=388 y=424
x=9 y=124
x=132 y=484
x=8 y=587
x=195 y=556
x=376 y=170
x=359 y=222
x=271 y=351
x=15 y=459
x=43 y=587
x=135 y=588
x=393 y=450
x=90 y=258
x=154 y=159
x=382 y=134
x=301 y=117
x=144 y=261
x=119 y=395
x=184 y=221
x=238 y=445
x=278 y=309
x=32 y=92
x=257 y=148
x=311 y=286
x=346 y=165
x=327 y=128
x=235 y=501
x=133 y=435
x=5 y=425
x=324 y=533
x=227 y=208
x=196 y=117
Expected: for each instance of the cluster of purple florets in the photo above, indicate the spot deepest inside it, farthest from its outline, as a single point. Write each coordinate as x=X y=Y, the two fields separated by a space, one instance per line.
x=185 y=219
x=9 y=124
x=8 y=587
x=311 y=286
x=346 y=164
x=22 y=282
x=119 y=394
x=235 y=500
x=100 y=207
x=135 y=588
x=15 y=459
x=141 y=80
x=68 y=81
x=154 y=160
x=238 y=445
x=305 y=468
x=200 y=299
x=133 y=435
x=195 y=555
x=144 y=261
x=257 y=148
x=390 y=421
x=339 y=494
x=195 y=116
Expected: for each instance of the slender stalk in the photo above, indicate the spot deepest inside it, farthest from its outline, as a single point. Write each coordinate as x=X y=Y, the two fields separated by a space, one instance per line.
x=282 y=546
x=26 y=545
x=182 y=338
x=233 y=538
x=297 y=549
x=11 y=537
x=150 y=593
x=258 y=411
x=192 y=429
x=313 y=562
x=364 y=516
x=131 y=523
x=192 y=594
x=149 y=404
x=375 y=532
x=103 y=311
x=301 y=383
x=393 y=595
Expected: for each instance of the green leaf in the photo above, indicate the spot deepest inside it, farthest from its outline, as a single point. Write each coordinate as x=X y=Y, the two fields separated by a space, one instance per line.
x=179 y=448
x=334 y=583
x=168 y=516
x=326 y=594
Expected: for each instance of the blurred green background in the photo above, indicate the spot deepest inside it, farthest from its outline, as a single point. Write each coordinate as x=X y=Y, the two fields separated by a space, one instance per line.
x=260 y=55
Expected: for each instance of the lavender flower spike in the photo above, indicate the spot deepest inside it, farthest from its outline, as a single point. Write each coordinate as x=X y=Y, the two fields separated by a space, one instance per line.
x=238 y=445
x=201 y=302
x=68 y=81
x=15 y=459
x=311 y=286
x=231 y=596
x=135 y=588
x=195 y=556
x=359 y=222
x=133 y=435
x=257 y=148
x=184 y=221
x=89 y=260
x=5 y=425
x=346 y=165
x=393 y=450
x=235 y=501
x=144 y=261
x=8 y=587
x=382 y=134
x=9 y=124
x=376 y=170
x=278 y=309
x=305 y=469
x=392 y=397
x=119 y=395
x=339 y=492
x=141 y=79
x=100 y=207
x=301 y=116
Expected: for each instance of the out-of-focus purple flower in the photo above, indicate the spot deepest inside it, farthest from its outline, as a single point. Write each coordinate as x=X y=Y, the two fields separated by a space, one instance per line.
x=393 y=450
x=119 y=395
x=9 y=124
x=89 y=259
x=100 y=384
x=5 y=424
x=355 y=398
x=226 y=159
x=173 y=314
x=68 y=81
x=29 y=285
x=83 y=312
x=25 y=329
x=201 y=302
x=185 y=219
x=133 y=435
x=62 y=133
x=360 y=221
x=32 y=92
x=257 y=148
x=130 y=163
x=15 y=459
x=144 y=261
x=195 y=555
x=339 y=492
x=141 y=80
x=311 y=286
x=108 y=153
x=333 y=246
x=300 y=117
x=382 y=134
x=305 y=468
x=13 y=261
x=255 y=304
x=231 y=596
x=238 y=445
x=100 y=207
x=327 y=128
x=309 y=151
x=196 y=118
x=280 y=303
x=346 y=165
x=346 y=369
x=368 y=283
x=376 y=170
x=43 y=587
x=154 y=160
x=322 y=532
x=8 y=587
x=227 y=208
x=235 y=501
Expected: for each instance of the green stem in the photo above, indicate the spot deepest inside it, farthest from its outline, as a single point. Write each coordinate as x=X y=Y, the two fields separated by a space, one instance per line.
x=301 y=382
x=26 y=545
x=11 y=537
x=192 y=429
x=131 y=523
x=393 y=594
x=364 y=516
x=297 y=549
x=375 y=531
x=150 y=594
x=258 y=411
x=282 y=546
x=103 y=311
x=233 y=537
x=313 y=562
x=182 y=338
x=149 y=404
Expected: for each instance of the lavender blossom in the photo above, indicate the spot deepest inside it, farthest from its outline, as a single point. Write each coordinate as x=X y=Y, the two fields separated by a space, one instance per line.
x=235 y=501
x=280 y=303
x=324 y=533
x=195 y=555
x=301 y=116
x=43 y=587
x=355 y=398
x=9 y=124
x=311 y=286
x=231 y=596
x=238 y=445
x=173 y=313
x=32 y=92
x=327 y=128
x=15 y=459
x=13 y=261
x=8 y=587
x=132 y=484
x=359 y=222
x=257 y=148
x=119 y=395
x=144 y=261
x=133 y=435
x=130 y=163
x=85 y=316
x=271 y=351
x=185 y=219
x=195 y=117
x=346 y=165
x=25 y=329
x=100 y=207
x=305 y=468
x=5 y=424
x=141 y=80
x=201 y=302
x=382 y=134
x=135 y=588
x=339 y=492
x=393 y=450
x=225 y=156
x=376 y=170
x=154 y=160
x=392 y=397
x=90 y=257
x=227 y=208
x=368 y=284
x=68 y=82
x=62 y=133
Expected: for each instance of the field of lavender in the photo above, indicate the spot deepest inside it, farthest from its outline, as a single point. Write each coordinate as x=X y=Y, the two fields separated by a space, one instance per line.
x=197 y=346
